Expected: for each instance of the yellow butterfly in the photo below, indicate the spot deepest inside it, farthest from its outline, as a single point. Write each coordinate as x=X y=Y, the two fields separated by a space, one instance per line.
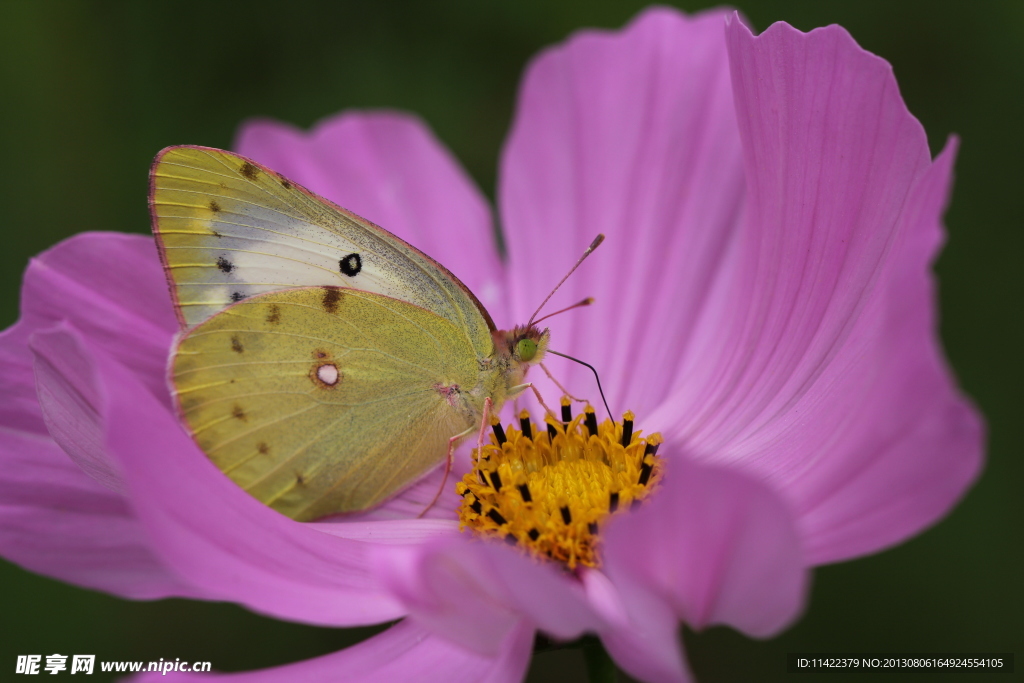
x=324 y=363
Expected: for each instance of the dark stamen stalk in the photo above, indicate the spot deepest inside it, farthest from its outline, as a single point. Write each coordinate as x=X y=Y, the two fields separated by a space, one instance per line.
x=496 y=516
x=524 y=491
x=645 y=472
x=627 y=432
x=566 y=514
x=499 y=433
x=524 y=425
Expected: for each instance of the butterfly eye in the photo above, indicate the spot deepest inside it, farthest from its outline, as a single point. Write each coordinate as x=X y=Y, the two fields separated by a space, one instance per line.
x=526 y=349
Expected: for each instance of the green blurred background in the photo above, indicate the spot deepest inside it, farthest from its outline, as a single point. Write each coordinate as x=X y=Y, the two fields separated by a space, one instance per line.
x=91 y=90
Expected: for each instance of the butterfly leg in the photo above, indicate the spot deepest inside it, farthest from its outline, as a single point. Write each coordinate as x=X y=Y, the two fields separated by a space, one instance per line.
x=540 y=399
x=484 y=422
x=452 y=443
x=559 y=385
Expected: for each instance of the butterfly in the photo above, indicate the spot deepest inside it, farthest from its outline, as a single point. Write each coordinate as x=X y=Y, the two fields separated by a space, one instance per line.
x=323 y=363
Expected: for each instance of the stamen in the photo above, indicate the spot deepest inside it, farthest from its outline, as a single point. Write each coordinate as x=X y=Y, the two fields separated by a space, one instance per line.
x=524 y=491
x=566 y=410
x=562 y=483
x=524 y=424
x=591 y=419
x=645 y=472
x=496 y=516
x=627 y=428
x=499 y=431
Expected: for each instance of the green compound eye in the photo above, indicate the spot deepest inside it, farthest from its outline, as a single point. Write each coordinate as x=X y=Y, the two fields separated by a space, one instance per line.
x=526 y=349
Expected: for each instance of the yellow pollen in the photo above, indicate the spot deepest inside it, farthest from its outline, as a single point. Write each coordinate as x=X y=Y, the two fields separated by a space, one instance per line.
x=549 y=488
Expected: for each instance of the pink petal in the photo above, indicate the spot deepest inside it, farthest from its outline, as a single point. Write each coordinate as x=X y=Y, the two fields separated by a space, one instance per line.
x=405 y=652
x=111 y=286
x=817 y=365
x=66 y=386
x=712 y=547
x=649 y=650
x=56 y=521
x=213 y=533
x=19 y=408
x=475 y=593
x=389 y=168
x=632 y=134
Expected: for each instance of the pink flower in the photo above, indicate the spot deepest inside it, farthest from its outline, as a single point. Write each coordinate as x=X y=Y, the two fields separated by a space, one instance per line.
x=764 y=300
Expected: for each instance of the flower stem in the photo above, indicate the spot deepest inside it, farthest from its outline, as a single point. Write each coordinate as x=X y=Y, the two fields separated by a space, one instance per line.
x=600 y=667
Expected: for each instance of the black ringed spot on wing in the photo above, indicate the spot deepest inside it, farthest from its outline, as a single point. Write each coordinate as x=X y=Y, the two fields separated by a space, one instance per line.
x=237 y=296
x=249 y=171
x=274 y=314
x=225 y=265
x=236 y=345
x=239 y=414
x=351 y=265
x=214 y=206
x=332 y=295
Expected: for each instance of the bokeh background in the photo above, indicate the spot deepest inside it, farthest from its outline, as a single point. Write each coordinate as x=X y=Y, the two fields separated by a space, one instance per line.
x=91 y=90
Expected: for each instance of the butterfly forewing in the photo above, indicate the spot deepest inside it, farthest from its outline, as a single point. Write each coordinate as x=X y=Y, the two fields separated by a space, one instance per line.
x=229 y=228
x=322 y=400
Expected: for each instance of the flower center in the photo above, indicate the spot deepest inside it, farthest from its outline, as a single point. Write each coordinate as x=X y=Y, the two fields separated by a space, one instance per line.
x=549 y=491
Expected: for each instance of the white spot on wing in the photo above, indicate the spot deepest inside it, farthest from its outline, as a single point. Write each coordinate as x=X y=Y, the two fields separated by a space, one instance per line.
x=328 y=374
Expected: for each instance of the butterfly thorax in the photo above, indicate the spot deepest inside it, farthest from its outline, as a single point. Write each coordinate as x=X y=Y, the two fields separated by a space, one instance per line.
x=503 y=373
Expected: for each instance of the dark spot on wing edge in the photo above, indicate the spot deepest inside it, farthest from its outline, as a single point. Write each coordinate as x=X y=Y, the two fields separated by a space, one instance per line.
x=263 y=448
x=225 y=265
x=237 y=296
x=274 y=315
x=214 y=206
x=332 y=295
x=239 y=414
x=249 y=171
x=236 y=345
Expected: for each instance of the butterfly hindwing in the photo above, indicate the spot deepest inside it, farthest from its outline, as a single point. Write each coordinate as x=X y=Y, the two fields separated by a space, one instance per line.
x=322 y=400
x=229 y=228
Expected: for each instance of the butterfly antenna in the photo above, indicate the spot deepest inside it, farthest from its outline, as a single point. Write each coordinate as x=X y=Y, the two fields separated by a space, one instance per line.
x=599 y=389
x=593 y=245
x=586 y=302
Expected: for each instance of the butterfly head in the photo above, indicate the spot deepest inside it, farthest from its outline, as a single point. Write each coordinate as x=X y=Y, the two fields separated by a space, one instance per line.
x=529 y=344
x=521 y=347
